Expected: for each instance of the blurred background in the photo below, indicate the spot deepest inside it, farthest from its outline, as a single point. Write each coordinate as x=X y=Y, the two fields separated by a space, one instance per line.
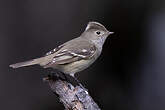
x=130 y=73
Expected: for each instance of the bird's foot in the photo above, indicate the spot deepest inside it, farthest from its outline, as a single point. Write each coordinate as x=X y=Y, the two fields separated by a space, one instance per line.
x=48 y=78
x=53 y=76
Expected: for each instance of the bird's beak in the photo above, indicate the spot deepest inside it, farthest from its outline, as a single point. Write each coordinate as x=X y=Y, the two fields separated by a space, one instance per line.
x=110 y=33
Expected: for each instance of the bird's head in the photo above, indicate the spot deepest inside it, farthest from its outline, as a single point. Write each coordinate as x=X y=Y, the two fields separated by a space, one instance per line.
x=96 y=32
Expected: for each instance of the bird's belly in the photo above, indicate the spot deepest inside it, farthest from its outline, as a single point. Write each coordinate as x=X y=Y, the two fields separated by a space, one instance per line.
x=76 y=66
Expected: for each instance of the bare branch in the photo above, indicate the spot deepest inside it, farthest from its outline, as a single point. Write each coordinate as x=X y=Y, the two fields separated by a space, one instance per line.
x=72 y=97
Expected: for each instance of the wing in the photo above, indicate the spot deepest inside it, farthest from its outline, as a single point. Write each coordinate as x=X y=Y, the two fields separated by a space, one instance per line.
x=54 y=50
x=73 y=52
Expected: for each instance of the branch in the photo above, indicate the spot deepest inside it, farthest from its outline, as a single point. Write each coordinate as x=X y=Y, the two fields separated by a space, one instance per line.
x=72 y=97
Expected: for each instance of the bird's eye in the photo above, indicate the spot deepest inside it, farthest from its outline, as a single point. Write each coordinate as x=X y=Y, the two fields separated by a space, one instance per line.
x=98 y=32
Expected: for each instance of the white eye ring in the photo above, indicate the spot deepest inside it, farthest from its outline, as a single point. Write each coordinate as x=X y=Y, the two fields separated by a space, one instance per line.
x=98 y=33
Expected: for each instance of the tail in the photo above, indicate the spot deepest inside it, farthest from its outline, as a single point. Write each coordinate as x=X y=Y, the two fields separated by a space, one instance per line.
x=27 y=63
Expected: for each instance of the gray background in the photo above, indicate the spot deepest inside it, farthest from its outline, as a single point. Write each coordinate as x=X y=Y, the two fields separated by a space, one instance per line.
x=130 y=73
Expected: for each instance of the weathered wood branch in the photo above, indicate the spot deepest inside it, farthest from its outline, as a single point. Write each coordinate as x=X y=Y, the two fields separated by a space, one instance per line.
x=72 y=97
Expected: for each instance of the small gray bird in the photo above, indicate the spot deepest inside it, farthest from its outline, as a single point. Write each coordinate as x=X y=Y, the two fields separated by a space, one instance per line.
x=76 y=54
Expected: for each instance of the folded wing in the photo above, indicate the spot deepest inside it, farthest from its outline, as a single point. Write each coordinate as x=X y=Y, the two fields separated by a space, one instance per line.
x=72 y=53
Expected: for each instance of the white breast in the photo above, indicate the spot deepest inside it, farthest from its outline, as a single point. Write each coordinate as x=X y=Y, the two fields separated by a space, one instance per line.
x=99 y=42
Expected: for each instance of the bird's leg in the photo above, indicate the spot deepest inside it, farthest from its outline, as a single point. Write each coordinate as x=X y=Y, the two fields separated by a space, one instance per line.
x=65 y=77
x=55 y=75
x=77 y=81
x=70 y=79
x=51 y=76
x=59 y=74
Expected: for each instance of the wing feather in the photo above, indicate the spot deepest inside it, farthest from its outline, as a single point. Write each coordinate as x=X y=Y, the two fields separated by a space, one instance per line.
x=72 y=52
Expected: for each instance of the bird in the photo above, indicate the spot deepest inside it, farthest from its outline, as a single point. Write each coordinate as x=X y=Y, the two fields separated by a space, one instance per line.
x=75 y=55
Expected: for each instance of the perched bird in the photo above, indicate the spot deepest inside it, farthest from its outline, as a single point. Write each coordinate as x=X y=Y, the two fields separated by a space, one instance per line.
x=76 y=54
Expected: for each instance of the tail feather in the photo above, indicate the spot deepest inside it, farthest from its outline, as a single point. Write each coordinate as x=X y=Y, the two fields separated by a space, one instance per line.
x=26 y=63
